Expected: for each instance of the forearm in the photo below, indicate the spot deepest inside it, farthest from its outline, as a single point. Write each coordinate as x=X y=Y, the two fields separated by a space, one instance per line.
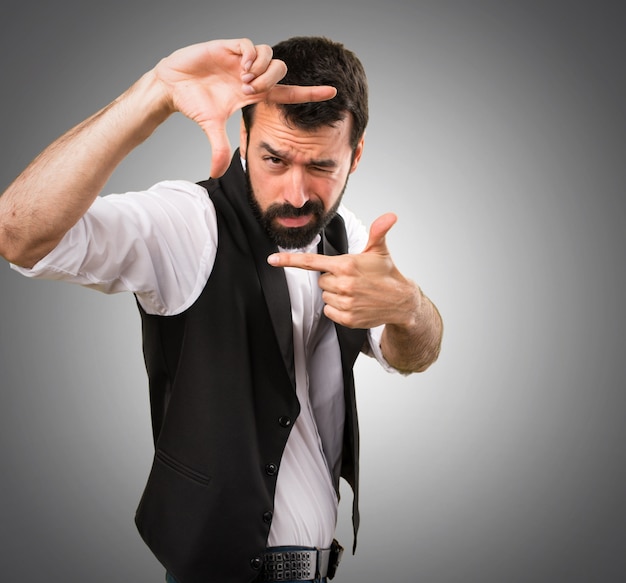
x=414 y=345
x=58 y=187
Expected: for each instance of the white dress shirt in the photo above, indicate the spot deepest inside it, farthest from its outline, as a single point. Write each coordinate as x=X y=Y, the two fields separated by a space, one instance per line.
x=161 y=244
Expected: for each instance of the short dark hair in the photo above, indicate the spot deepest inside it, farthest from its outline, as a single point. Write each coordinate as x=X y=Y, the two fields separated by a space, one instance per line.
x=320 y=61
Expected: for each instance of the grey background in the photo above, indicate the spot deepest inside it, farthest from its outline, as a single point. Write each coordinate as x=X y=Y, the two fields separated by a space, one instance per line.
x=497 y=136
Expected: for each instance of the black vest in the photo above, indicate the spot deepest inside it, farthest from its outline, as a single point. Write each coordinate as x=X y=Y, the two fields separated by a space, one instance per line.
x=223 y=401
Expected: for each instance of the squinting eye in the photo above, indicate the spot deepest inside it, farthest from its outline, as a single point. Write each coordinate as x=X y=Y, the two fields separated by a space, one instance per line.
x=321 y=170
x=273 y=160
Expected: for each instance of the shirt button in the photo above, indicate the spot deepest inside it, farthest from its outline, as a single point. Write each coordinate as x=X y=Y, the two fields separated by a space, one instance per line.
x=267 y=516
x=271 y=469
x=284 y=421
x=256 y=563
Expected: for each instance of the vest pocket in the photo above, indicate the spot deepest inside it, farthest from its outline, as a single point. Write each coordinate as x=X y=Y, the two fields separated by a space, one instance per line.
x=174 y=512
x=181 y=468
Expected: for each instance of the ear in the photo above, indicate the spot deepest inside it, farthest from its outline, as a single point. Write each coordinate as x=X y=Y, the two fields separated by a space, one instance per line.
x=243 y=139
x=358 y=152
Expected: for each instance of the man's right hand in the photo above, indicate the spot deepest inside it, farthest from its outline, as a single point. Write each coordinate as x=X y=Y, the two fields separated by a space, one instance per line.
x=208 y=82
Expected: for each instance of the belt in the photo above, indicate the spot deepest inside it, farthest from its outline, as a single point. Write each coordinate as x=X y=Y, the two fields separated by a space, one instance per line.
x=300 y=563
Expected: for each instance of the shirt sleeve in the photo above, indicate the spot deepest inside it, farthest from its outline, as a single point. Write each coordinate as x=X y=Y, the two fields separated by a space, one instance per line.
x=357 y=240
x=159 y=244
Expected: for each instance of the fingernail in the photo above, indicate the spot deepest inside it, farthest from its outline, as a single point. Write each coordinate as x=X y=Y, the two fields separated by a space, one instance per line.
x=247 y=66
x=273 y=259
x=248 y=89
x=247 y=77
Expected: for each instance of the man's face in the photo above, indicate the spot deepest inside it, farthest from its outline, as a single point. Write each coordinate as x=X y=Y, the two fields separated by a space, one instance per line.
x=296 y=177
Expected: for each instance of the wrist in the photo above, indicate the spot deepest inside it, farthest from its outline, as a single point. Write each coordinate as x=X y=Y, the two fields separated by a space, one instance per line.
x=408 y=309
x=414 y=344
x=149 y=99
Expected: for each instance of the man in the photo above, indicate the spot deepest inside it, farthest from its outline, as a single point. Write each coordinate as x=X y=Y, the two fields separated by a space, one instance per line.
x=250 y=365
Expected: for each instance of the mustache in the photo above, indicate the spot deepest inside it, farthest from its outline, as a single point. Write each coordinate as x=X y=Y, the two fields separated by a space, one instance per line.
x=287 y=211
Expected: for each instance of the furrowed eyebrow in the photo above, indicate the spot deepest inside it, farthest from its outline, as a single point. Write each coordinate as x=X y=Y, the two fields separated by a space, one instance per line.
x=271 y=150
x=323 y=163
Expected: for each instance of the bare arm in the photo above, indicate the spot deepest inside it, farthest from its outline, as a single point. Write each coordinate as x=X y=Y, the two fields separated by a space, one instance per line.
x=414 y=345
x=207 y=82
x=367 y=290
x=58 y=187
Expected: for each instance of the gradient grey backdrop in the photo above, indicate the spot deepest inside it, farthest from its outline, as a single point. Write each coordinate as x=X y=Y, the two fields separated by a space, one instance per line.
x=497 y=136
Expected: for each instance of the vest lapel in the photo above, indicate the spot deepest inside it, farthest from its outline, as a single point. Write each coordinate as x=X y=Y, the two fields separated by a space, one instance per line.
x=334 y=242
x=272 y=280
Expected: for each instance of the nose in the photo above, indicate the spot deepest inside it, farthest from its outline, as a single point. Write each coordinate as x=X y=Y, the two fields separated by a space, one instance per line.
x=296 y=188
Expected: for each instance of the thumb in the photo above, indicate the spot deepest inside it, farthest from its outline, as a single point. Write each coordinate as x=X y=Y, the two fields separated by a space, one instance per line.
x=220 y=150
x=378 y=231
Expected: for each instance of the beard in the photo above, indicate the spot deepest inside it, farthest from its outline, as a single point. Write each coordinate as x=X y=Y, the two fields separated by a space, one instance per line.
x=293 y=237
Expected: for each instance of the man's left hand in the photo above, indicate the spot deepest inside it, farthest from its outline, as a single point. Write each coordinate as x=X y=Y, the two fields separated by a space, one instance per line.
x=361 y=290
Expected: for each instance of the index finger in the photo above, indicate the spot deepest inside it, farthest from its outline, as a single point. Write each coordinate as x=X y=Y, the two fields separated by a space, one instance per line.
x=308 y=261
x=300 y=94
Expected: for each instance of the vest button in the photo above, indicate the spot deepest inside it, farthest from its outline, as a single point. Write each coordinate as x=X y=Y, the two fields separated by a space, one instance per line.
x=256 y=563
x=284 y=421
x=267 y=517
x=271 y=469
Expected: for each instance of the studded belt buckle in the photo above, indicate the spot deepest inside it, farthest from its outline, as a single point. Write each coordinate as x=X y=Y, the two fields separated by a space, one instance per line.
x=289 y=566
x=285 y=564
